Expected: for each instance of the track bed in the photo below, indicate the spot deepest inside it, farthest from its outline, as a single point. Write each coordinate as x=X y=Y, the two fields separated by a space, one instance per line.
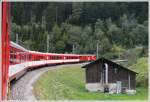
x=21 y=89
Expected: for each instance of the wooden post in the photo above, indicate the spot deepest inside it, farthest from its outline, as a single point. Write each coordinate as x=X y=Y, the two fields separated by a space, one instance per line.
x=48 y=43
x=97 y=50
x=73 y=48
x=17 y=38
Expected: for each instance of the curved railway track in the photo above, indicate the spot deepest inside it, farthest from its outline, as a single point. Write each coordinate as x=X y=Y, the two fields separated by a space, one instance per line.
x=21 y=89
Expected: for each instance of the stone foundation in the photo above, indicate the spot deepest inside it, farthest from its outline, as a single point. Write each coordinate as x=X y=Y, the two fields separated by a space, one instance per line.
x=92 y=87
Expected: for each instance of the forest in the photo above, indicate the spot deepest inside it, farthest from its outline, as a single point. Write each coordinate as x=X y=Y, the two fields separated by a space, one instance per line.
x=111 y=28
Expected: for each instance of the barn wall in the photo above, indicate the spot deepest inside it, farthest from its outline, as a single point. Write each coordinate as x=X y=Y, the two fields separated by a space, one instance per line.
x=115 y=73
x=123 y=77
x=133 y=81
x=93 y=73
x=118 y=74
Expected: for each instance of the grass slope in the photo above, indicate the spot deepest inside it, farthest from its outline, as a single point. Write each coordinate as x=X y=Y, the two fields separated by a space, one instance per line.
x=68 y=83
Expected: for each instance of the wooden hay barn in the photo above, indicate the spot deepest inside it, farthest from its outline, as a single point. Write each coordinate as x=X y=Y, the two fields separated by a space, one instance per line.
x=107 y=76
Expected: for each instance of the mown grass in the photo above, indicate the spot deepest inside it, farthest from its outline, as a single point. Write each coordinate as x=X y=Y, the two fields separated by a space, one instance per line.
x=68 y=83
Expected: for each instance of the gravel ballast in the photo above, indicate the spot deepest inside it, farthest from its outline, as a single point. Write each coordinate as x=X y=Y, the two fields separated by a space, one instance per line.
x=22 y=88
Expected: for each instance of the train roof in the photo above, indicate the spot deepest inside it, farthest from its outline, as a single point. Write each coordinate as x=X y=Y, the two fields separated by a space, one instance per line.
x=36 y=52
x=87 y=55
x=17 y=46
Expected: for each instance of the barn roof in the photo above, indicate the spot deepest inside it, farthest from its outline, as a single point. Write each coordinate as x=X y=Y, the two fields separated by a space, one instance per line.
x=103 y=59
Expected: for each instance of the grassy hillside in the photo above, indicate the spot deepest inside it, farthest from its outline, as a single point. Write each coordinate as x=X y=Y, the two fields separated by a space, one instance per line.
x=69 y=83
x=141 y=67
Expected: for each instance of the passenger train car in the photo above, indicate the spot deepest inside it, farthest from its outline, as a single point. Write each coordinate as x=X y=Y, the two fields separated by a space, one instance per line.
x=22 y=59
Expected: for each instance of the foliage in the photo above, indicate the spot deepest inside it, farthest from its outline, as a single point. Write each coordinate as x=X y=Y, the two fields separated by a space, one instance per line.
x=133 y=54
x=68 y=83
x=78 y=27
x=141 y=67
x=117 y=51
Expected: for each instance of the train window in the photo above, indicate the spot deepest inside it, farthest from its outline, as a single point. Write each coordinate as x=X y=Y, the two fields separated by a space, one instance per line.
x=30 y=56
x=56 y=57
x=38 y=58
x=11 y=56
x=14 y=56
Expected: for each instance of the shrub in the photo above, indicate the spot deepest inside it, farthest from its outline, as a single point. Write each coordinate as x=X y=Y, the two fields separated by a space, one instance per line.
x=141 y=67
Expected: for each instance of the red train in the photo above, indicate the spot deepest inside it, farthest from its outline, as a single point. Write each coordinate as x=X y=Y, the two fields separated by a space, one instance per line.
x=16 y=60
x=22 y=59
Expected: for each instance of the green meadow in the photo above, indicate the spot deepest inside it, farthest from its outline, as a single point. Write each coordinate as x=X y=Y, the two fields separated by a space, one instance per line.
x=68 y=83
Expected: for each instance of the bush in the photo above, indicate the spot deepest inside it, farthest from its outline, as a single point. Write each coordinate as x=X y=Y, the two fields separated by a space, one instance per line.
x=141 y=67
x=132 y=55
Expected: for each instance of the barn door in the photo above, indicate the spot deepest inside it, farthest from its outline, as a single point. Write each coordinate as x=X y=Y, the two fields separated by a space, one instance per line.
x=119 y=86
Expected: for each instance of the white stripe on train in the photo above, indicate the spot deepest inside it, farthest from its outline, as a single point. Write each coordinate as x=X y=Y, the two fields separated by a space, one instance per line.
x=17 y=69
